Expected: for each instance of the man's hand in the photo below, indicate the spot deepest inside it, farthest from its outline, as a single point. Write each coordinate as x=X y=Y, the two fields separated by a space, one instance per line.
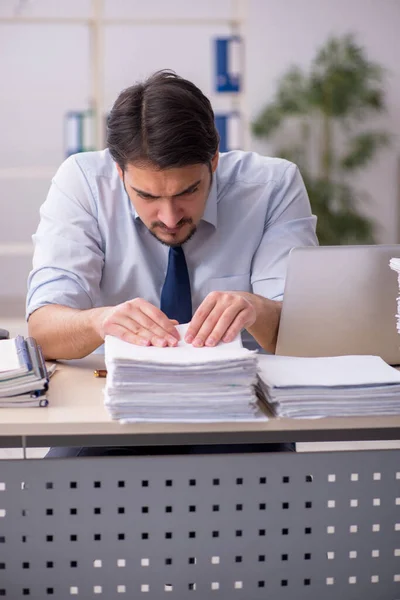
x=221 y=316
x=138 y=322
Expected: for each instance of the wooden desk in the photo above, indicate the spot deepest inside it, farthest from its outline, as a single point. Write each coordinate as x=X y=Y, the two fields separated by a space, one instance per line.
x=77 y=412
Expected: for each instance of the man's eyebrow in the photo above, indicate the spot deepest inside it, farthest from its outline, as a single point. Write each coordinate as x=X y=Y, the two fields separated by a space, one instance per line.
x=185 y=191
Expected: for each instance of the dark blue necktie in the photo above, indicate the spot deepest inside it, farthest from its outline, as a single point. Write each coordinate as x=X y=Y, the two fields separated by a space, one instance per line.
x=176 y=298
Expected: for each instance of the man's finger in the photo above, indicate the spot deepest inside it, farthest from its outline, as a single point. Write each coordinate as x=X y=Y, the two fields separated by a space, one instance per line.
x=139 y=328
x=231 y=315
x=200 y=316
x=122 y=320
x=158 y=317
x=127 y=336
x=208 y=326
x=155 y=328
x=239 y=323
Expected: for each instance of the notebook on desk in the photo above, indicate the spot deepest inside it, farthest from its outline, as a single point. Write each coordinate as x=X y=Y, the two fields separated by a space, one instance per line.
x=24 y=377
x=340 y=300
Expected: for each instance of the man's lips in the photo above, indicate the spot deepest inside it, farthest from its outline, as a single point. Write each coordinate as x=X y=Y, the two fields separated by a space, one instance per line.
x=173 y=230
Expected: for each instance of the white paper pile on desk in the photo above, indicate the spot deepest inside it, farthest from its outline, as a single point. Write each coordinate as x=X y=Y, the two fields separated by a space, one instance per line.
x=182 y=383
x=395 y=265
x=330 y=387
x=23 y=375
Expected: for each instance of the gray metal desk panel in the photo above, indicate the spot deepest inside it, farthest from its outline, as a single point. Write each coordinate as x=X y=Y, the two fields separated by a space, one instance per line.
x=282 y=526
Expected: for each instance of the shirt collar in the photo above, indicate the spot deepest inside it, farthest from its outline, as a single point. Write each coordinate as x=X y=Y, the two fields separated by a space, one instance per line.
x=210 y=212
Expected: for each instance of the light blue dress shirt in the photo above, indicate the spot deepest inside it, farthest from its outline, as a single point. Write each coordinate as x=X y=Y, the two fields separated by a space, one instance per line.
x=92 y=249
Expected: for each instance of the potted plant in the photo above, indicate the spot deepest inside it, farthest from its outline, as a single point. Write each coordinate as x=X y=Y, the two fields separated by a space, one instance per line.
x=323 y=117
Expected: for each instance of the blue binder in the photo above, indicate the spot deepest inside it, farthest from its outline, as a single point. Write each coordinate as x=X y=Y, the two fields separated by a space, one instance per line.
x=77 y=130
x=228 y=126
x=227 y=75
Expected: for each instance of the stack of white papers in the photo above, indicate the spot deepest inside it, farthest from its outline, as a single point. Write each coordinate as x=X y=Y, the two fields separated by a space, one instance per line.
x=395 y=265
x=330 y=387
x=182 y=383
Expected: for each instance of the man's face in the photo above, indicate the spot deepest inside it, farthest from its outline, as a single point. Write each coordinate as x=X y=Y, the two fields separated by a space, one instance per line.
x=170 y=202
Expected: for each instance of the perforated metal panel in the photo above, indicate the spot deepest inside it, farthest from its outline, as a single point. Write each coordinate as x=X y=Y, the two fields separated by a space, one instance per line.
x=255 y=526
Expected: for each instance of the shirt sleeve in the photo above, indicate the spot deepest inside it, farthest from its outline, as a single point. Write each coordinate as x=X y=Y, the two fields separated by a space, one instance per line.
x=289 y=223
x=68 y=257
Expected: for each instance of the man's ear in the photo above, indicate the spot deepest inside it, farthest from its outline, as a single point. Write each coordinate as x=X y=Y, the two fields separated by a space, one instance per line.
x=120 y=172
x=214 y=161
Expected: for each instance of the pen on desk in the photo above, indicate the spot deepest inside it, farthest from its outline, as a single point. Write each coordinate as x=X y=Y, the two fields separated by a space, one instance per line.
x=100 y=373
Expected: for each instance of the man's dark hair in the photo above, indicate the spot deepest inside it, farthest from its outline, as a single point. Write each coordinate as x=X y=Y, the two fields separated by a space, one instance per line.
x=165 y=121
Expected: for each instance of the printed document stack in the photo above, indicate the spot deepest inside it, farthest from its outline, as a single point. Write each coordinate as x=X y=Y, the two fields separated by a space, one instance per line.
x=395 y=265
x=181 y=383
x=330 y=386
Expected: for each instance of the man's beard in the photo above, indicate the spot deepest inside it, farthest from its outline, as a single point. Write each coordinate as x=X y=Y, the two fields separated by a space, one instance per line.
x=181 y=223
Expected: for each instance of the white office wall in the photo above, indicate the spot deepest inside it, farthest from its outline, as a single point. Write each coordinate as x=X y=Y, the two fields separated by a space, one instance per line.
x=188 y=50
x=179 y=9
x=45 y=8
x=45 y=71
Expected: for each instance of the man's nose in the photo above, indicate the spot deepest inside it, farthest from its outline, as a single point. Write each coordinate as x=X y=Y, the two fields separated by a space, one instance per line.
x=170 y=215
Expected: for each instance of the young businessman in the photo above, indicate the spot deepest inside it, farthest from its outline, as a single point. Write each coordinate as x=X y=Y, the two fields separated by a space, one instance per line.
x=160 y=228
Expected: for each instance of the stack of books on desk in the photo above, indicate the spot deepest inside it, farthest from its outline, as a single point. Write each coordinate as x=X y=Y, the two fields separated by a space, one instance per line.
x=395 y=265
x=330 y=387
x=181 y=383
x=23 y=375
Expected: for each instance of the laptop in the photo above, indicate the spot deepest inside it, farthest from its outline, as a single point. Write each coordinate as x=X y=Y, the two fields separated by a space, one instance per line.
x=340 y=300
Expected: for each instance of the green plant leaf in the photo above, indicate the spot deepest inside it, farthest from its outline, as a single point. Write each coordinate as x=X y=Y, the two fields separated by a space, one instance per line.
x=344 y=228
x=343 y=80
x=362 y=149
x=268 y=121
x=291 y=99
x=294 y=154
x=293 y=93
x=334 y=204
